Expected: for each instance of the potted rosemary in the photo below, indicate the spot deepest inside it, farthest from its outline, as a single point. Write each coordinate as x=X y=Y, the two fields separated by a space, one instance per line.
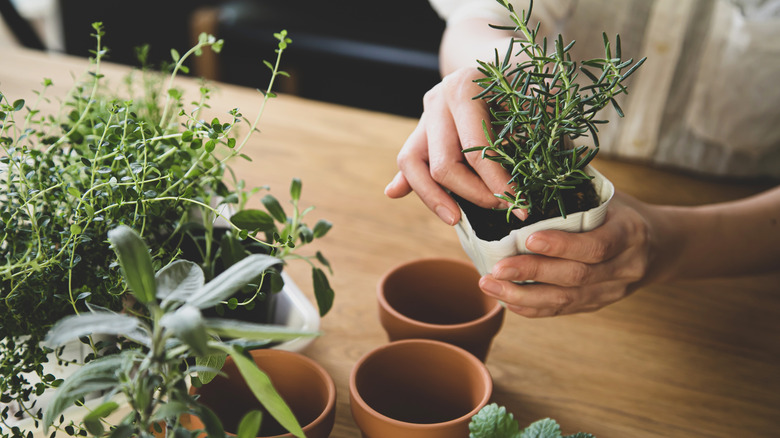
x=135 y=154
x=539 y=111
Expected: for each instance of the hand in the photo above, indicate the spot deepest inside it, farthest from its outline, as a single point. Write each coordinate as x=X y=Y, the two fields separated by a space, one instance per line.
x=431 y=159
x=578 y=272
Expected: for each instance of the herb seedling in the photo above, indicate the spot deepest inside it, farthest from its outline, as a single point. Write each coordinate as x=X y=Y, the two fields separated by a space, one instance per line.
x=143 y=157
x=537 y=107
x=493 y=421
x=150 y=374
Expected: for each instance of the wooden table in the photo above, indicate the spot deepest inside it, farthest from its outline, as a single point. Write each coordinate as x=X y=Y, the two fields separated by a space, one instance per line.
x=679 y=360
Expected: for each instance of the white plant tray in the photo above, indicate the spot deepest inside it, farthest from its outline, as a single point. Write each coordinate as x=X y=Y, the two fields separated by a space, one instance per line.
x=295 y=311
x=484 y=253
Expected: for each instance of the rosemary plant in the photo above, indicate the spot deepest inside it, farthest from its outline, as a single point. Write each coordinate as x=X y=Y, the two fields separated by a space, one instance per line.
x=538 y=108
x=148 y=160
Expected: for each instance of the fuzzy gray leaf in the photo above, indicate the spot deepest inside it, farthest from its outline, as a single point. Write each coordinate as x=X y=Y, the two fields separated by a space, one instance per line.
x=76 y=326
x=226 y=284
x=178 y=281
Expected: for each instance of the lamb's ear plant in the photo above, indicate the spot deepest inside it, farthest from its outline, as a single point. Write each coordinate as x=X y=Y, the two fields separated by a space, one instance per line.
x=539 y=110
x=150 y=373
x=138 y=152
x=493 y=421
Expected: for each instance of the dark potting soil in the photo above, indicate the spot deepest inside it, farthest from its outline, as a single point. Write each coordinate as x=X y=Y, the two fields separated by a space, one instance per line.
x=492 y=224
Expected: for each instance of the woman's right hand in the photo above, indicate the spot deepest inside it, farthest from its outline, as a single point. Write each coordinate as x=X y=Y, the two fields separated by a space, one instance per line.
x=431 y=160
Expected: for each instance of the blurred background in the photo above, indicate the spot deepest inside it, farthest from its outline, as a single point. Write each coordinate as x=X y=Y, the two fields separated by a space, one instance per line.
x=380 y=56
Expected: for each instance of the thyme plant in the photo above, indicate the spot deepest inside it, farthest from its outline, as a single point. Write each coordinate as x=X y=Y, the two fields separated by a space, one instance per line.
x=536 y=103
x=141 y=156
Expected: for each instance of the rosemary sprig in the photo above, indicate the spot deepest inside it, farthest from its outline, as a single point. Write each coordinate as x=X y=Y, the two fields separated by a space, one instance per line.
x=536 y=104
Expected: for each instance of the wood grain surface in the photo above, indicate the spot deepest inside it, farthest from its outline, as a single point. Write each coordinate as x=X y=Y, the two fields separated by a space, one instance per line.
x=692 y=359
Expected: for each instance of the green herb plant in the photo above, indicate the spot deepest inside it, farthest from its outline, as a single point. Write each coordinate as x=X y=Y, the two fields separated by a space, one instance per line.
x=150 y=374
x=493 y=421
x=140 y=155
x=536 y=104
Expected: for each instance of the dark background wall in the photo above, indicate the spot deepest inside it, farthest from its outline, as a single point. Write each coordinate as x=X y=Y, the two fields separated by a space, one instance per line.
x=374 y=55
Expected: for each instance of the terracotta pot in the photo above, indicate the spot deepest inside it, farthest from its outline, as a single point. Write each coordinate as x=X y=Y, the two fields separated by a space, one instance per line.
x=417 y=388
x=486 y=253
x=306 y=387
x=439 y=299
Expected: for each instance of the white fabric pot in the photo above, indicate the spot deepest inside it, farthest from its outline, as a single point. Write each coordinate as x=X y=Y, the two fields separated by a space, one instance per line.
x=484 y=254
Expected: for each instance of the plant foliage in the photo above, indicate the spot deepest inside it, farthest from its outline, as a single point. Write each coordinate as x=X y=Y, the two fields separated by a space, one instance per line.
x=493 y=421
x=150 y=374
x=141 y=155
x=536 y=104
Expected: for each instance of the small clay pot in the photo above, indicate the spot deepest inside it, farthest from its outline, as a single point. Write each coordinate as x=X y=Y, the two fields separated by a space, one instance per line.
x=305 y=386
x=439 y=299
x=417 y=388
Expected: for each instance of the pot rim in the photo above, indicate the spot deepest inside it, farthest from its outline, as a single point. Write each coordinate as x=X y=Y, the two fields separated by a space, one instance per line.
x=493 y=312
x=483 y=372
x=330 y=406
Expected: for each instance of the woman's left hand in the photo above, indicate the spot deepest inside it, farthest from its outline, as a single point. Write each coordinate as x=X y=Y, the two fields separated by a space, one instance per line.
x=578 y=272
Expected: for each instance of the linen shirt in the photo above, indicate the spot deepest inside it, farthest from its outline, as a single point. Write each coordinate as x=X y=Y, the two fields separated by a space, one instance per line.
x=707 y=99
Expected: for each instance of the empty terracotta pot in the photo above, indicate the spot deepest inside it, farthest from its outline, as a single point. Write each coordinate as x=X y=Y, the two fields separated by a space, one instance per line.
x=439 y=299
x=305 y=386
x=417 y=388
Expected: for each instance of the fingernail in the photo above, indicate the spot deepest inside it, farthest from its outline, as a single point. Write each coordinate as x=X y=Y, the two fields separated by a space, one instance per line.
x=537 y=244
x=490 y=286
x=445 y=214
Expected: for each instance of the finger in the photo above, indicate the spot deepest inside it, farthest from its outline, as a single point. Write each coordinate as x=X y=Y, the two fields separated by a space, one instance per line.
x=533 y=299
x=413 y=164
x=398 y=187
x=540 y=300
x=596 y=246
x=569 y=273
x=542 y=269
x=472 y=119
x=448 y=166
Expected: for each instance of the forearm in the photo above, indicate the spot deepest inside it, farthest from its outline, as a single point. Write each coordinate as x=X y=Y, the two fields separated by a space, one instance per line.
x=467 y=41
x=727 y=239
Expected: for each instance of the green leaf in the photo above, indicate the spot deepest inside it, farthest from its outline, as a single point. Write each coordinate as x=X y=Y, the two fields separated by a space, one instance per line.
x=260 y=385
x=249 y=427
x=322 y=291
x=178 y=280
x=273 y=207
x=223 y=286
x=252 y=219
x=97 y=375
x=169 y=409
x=231 y=250
x=214 y=361
x=210 y=421
x=187 y=324
x=493 y=421
x=321 y=228
x=231 y=328
x=92 y=421
x=85 y=324
x=175 y=55
x=545 y=428
x=18 y=105
x=135 y=261
x=295 y=189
